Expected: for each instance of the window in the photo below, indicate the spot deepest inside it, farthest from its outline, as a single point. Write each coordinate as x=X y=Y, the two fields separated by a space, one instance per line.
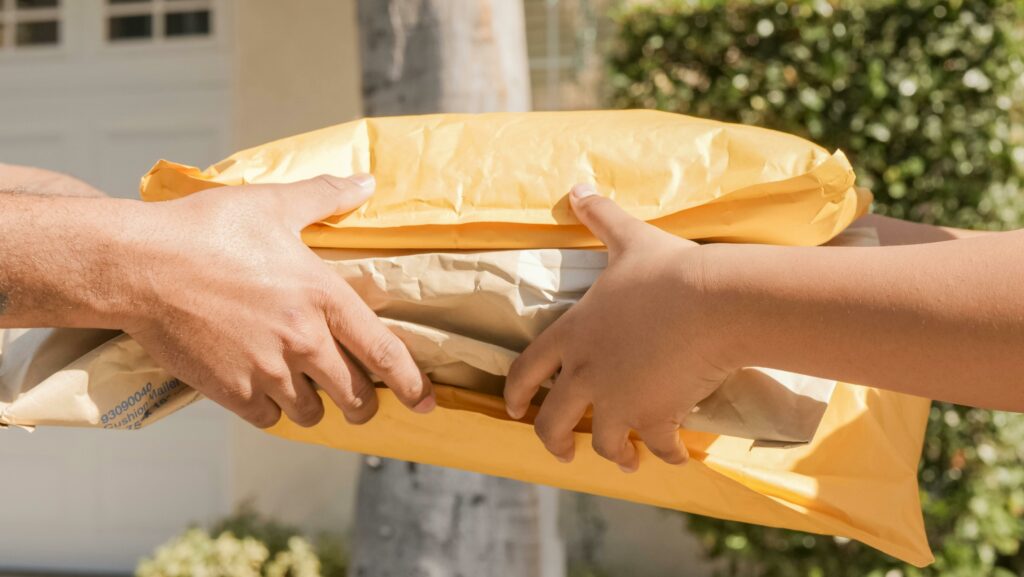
x=158 y=20
x=29 y=23
x=565 y=40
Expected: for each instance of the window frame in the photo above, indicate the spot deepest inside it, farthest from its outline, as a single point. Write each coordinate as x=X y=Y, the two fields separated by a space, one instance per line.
x=157 y=10
x=11 y=15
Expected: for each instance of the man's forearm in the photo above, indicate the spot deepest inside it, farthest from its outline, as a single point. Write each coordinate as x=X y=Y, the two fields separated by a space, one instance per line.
x=943 y=320
x=65 y=260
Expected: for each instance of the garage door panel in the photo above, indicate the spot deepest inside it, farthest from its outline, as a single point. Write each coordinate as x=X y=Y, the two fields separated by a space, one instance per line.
x=94 y=500
x=38 y=149
x=124 y=156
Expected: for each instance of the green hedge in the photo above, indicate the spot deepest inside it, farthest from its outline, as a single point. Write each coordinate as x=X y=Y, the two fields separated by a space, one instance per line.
x=925 y=98
x=921 y=95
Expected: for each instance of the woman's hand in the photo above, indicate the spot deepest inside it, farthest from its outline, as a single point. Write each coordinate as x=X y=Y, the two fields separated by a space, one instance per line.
x=638 y=346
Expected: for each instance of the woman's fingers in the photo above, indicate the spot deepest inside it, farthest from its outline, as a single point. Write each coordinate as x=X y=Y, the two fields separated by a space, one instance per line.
x=611 y=441
x=663 y=440
x=541 y=359
x=605 y=219
x=562 y=410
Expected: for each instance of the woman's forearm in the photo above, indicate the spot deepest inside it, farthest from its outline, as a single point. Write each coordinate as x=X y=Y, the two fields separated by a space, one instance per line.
x=893 y=231
x=943 y=320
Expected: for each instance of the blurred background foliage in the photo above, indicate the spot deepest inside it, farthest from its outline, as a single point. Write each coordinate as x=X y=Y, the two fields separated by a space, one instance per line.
x=925 y=97
x=246 y=544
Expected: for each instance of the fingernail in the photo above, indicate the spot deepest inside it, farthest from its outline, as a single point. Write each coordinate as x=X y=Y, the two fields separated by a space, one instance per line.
x=514 y=413
x=625 y=469
x=562 y=459
x=365 y=181
x=583 y=190
x=426 y=405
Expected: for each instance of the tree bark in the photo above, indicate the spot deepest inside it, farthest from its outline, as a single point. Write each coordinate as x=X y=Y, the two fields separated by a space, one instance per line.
x=424 y=56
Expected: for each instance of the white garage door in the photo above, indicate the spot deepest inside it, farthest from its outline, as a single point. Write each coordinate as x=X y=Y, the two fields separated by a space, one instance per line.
x=101 y=89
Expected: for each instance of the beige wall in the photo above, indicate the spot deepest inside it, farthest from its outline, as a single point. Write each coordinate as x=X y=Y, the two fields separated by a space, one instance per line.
x=307 y=486
x=296 y=68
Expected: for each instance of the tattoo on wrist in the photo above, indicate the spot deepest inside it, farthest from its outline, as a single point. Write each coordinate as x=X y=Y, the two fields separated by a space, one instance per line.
x=3 y=303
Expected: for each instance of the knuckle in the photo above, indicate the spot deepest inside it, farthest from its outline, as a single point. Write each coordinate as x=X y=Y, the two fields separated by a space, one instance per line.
x=555 y=442
x=363 y=406
x=238 y=393
x=328 y=183
x=349 y=398
x=271 y=373
x=514 y=372
x=580 y=372
x=261 y=417
x=303 y=344
x=590 y=204
x=339 y=380
x=545 y=430
x=605 y=448
x=668 y=455
x=362 y=390
x=515 y=388
x=361 y=416
x=309 y=413
x=386 y=354
x=299 y=336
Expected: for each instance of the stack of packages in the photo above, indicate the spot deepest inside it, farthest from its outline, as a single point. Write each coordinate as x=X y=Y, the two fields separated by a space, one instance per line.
x=468 y=250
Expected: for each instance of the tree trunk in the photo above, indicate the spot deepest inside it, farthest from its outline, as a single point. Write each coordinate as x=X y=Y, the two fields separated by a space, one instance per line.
x=422 y=56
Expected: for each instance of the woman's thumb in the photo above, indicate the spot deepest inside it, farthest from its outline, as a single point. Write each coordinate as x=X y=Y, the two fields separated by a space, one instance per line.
x=605 y=219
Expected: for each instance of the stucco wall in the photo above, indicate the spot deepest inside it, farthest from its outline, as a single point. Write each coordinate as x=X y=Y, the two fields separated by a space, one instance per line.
x=296 y=67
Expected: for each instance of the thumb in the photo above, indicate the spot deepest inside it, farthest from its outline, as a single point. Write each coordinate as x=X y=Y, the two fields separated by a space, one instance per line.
x=605 y=219
x=308 y=201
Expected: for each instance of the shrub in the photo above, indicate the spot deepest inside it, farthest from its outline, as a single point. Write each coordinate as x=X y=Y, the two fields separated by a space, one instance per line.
x=924 y=97
x=920 y=94
x=246 y=545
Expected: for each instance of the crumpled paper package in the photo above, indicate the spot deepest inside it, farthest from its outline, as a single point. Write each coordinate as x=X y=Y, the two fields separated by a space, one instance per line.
x=464 y=316
x=499 y=180
x=855 y=478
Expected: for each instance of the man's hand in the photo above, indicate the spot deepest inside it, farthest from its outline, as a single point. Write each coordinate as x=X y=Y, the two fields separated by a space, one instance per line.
x=229 y=300
x=635 y=347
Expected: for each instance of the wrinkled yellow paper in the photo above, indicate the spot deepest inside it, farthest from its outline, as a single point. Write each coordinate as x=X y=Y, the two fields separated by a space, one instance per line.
x=463 y=316
x=500 y=180
x=857 y=478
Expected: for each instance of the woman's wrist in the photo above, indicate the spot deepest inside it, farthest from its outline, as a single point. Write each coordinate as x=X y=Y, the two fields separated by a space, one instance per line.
x=734 y=300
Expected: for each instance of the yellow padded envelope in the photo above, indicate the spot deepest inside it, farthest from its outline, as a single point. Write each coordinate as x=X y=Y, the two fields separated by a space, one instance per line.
x=500 y=180
x=857 y=478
